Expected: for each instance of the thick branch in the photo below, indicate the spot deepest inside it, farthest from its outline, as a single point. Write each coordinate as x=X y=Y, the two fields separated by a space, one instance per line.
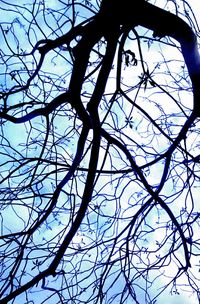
x=164 y=23
x=56 y=102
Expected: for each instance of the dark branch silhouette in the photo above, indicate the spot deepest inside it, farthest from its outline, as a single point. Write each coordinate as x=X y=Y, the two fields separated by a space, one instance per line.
x=101 y=184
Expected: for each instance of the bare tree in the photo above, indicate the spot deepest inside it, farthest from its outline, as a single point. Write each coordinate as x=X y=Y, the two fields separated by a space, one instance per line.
x=99 y=151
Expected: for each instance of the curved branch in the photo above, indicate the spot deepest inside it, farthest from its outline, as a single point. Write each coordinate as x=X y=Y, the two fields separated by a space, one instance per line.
x=154 y=194
x=164 y=23
x=56 y=102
